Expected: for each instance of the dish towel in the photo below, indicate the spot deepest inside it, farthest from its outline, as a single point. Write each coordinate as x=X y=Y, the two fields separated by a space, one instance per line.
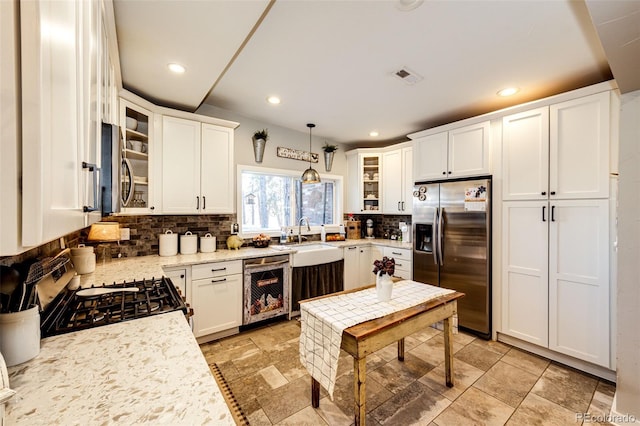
x=324 y=320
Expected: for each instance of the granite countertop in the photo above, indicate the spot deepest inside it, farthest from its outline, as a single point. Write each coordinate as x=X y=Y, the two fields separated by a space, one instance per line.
x=137 y=268
x=149 y=370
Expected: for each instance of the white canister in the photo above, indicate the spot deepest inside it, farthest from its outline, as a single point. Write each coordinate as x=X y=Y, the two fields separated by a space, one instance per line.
x=168 y=243
x=20 y=333
x=207 y=243
x=188 y=243
x=83 y=259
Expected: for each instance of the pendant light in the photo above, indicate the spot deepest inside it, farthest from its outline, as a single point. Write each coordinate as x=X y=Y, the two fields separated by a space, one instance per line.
x=310 y=175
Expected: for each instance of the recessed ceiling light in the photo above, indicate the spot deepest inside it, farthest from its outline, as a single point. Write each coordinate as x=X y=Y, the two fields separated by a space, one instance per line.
x=508 y=91
x=374 y=133
x=177 y=68
x=407 y=5
x=273 y=100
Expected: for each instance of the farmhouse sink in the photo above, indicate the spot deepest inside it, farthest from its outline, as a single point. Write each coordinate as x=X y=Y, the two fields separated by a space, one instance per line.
x=314 y=254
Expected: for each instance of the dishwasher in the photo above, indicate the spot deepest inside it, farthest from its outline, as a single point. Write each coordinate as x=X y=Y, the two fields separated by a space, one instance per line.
x=266 y=288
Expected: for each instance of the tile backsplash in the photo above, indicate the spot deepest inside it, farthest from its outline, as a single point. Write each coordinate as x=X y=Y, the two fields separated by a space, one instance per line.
x=144 y=231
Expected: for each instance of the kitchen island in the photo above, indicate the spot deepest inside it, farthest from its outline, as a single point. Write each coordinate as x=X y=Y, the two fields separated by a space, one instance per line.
x=145 y=371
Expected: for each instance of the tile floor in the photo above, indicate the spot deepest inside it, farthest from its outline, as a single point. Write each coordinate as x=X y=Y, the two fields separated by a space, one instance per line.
x=495 y=384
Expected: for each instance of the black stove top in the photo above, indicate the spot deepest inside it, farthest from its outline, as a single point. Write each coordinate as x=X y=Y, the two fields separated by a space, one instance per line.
x=72 y=311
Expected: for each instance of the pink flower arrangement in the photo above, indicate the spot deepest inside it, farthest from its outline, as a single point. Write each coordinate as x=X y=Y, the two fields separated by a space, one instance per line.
x=386 y=266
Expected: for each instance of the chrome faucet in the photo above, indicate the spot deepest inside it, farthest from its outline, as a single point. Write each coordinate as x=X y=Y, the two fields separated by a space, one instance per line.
x=302 y=219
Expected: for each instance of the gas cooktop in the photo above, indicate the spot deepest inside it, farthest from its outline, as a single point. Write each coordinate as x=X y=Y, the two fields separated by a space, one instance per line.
x=74 y=310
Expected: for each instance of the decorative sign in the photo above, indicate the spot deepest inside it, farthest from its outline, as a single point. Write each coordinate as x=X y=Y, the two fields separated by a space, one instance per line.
x=297 y=154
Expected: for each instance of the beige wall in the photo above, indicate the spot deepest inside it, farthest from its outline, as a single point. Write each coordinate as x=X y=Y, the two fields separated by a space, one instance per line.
x=278 y=136
x=628 y=297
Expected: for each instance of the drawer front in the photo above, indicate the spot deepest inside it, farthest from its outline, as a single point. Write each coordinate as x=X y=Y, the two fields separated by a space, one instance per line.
x=405 y=265
x=398 y=253
x=218 y=269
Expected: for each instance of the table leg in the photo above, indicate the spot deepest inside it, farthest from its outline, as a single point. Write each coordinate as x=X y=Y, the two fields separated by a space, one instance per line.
x=315 y=393
x=359 y=375
x=448 y=352
x=401 y=349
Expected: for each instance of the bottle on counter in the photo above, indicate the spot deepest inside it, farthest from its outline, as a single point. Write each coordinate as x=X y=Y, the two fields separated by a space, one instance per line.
x=283 y=235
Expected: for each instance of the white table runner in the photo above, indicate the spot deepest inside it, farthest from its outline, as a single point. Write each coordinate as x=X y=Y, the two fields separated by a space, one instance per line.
x=324 y=320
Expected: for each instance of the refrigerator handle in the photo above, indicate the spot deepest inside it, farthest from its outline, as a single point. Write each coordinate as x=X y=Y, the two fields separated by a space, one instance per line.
x=434 y=236
x=440 y=253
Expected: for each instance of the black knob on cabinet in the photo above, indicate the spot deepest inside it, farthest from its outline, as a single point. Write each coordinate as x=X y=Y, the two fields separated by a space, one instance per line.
x=151 y=208
x=449 y=172
x=543 y=193
x=553 y=193
x=444 y=173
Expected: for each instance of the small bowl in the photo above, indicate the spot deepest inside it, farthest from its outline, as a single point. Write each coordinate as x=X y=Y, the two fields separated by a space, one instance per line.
x=261 y=243
x=132 y=123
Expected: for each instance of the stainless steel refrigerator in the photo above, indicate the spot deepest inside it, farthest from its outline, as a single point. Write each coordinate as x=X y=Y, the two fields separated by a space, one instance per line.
x=452 y=244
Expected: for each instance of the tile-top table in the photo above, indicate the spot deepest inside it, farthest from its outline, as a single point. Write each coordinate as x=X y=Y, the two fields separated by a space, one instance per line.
x=371 y=335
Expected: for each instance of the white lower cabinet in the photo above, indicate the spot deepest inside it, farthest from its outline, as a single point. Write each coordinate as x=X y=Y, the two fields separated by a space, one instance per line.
x=358 y=265
x=403 y=259
x=216 y=297
x=555 y=276
x=178 y=277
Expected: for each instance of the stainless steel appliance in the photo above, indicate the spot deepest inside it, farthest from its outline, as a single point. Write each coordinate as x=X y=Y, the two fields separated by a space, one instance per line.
x=452 y=244
x=74 y=310
x=116 y=174
x=266 y=288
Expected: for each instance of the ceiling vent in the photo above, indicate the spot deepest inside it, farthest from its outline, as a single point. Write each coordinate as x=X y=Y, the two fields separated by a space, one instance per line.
x=408 y=76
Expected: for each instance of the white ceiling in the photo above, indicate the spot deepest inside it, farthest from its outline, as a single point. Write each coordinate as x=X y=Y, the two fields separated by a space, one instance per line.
x=332 y=62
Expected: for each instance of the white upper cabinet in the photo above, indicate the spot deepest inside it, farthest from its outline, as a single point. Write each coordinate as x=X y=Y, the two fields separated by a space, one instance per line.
x=60 y=117
x=579 y=147
x=558 y=152
x=364 y=181
x=430 y=157
x=217 y=171
x=397 y=181
x=525 y=155
x=197 y=167
x=461 y=152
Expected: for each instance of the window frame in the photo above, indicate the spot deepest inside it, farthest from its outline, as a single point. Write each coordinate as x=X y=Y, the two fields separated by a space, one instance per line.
x=294 y=174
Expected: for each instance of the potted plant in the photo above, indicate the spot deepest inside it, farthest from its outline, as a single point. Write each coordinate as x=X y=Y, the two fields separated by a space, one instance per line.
x=384 y=270
x=329 y=150
x=260 y=138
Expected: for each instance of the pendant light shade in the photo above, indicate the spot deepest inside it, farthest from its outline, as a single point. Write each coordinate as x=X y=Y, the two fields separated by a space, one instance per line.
x=310 y=175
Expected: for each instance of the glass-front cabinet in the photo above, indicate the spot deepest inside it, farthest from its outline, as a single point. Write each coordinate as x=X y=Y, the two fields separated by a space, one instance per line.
x=371 y=184
x=364 y=181
x=137 y=147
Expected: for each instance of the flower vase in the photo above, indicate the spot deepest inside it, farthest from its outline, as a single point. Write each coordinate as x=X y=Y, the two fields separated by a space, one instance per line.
x=384 y=286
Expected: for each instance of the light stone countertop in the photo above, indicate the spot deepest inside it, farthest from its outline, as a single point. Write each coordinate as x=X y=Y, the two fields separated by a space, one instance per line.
x=146 y=371
x=137 y=268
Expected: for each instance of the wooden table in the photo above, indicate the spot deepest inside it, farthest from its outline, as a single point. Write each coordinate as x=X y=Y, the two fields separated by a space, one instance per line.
x=365 y=338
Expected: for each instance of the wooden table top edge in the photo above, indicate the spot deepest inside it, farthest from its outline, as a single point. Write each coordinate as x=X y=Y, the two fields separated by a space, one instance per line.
x=379 y=324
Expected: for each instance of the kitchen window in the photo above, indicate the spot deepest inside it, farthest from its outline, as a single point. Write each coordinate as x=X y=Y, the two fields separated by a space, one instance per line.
x=272 y=198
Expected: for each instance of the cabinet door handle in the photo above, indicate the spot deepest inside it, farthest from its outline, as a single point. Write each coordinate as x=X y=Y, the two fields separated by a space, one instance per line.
x=399 y=209
x=152 y=208
x=444 y=173
x=553 y=193
x=543 y=193
x=449 y=172
x=181 y=275
x=220 y=269
x=399 y=264
x=204 y=202
x=543 y=219
x=96 y=201
x=553 y=209
x=396 y=253
x=351 y=248
x=403 y=206
x=218 y=281
x=197 y=203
